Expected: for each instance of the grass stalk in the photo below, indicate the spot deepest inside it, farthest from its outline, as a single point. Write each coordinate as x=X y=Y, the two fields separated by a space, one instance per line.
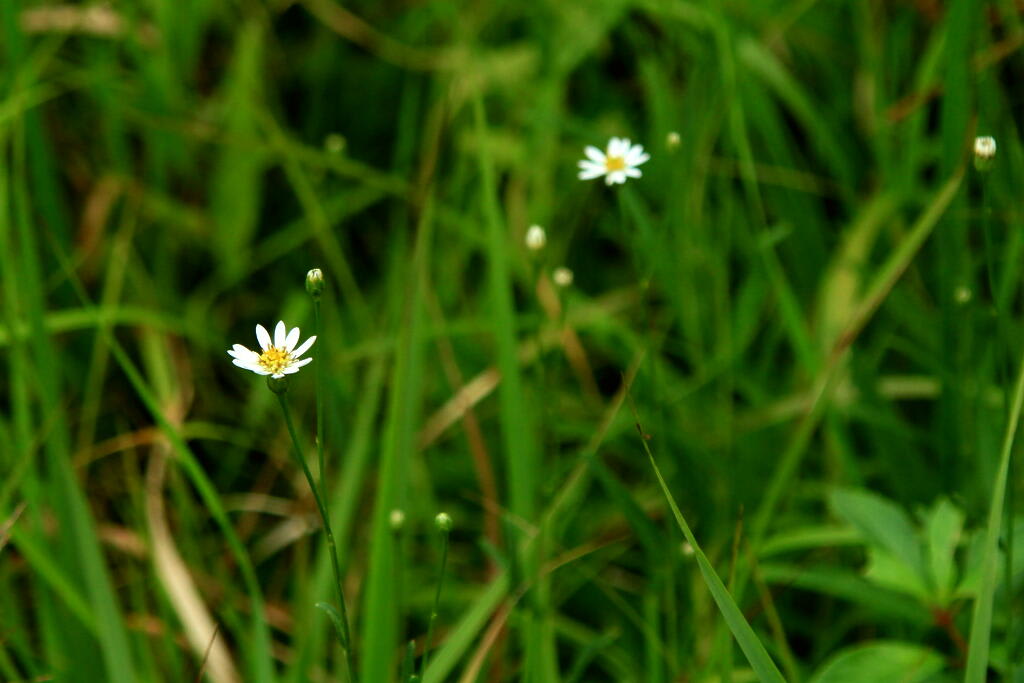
x=344 y=633
x=981 y=617
x=444 y=526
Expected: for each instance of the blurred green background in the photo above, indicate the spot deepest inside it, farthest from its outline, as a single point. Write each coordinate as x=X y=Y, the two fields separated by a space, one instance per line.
x=808 y=308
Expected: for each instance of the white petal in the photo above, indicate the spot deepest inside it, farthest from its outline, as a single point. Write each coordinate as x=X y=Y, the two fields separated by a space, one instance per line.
x=292 y=339
x=280 y=334
x=594 y=154
x=636 y=156
x=263 y=337
x=617 y=147
x=616 y=177
x=239 y=351
x=642 y=159
x=250 y=367
x=305 y=347
x=300 y=363
x=278 y=375
x=633 y=172
x=590 y=174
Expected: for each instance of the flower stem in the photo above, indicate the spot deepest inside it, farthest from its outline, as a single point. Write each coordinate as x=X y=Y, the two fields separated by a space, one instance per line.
x=346 y=639
x=437 y=600
x=320 y=409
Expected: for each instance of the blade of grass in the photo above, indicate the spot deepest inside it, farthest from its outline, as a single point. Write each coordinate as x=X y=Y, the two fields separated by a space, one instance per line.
x=748 y=641
x=981 y=617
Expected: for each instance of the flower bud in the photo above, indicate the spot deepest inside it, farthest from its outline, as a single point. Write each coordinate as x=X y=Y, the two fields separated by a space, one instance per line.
x=672 y=141
x=397 y=519
x=443 y=522
x=984 y=152
x=334 y=143
x=315 y=283
x=536 y=238
x=562 y=276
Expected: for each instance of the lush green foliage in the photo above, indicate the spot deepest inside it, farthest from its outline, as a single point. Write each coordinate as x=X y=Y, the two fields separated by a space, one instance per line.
x=767 y=433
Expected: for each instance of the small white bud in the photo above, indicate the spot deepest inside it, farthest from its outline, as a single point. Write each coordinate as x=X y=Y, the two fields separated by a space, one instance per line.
x=984 y=152
x=962 y=295
x=315 y=282
x=536 y=238
x=443 y=522
x=687 y=549
x=562 y=276
x=672 y=141
x=397 y=519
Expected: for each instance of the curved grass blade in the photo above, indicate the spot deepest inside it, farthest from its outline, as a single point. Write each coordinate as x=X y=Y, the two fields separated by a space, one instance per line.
x=981 y=619
x=754 y=651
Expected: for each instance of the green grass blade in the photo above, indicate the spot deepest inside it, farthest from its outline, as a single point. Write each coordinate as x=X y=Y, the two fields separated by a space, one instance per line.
x=981 y=617
x=748 y=641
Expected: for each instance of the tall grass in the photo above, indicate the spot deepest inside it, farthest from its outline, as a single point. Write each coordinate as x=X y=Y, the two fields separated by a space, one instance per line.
x=811 y=299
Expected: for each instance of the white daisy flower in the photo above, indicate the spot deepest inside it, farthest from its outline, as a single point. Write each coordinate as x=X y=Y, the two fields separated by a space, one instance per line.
x=619 y=162
x=279 y=356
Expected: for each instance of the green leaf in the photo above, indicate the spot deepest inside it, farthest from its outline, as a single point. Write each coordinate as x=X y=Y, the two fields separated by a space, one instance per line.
x=888 y=571
x=883 y=524
x=881 y=661
x=943 y=526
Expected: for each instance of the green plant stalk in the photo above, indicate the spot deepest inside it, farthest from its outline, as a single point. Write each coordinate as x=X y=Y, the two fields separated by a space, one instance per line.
x=297 y=454
x=981 y=619
x=437 y=601
x=317 y=329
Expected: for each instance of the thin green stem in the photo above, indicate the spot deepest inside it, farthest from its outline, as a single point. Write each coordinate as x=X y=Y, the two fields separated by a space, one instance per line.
x=318 y=330
x=437 y=601
x=297 y=454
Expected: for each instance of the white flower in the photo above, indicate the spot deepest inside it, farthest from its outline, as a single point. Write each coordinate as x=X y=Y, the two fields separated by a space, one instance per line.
x=618 y=163
x=536 y=238
x=279 y=357
x=985 y=147
x=562 y=276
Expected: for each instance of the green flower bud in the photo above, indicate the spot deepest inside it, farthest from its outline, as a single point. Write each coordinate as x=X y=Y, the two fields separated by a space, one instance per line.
x=443 y=522
x=315 y=283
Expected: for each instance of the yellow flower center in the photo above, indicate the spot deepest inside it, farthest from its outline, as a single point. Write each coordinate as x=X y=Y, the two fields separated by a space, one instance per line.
x=615 y=164
x=274 y=360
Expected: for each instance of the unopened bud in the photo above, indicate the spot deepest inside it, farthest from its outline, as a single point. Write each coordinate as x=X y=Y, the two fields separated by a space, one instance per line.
x=562 y=276
x=984 y=152
x=397 y=519
x=536 y=238
x=334 y=143
x=315 y=283
x=672 y=141
x=443 y=522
